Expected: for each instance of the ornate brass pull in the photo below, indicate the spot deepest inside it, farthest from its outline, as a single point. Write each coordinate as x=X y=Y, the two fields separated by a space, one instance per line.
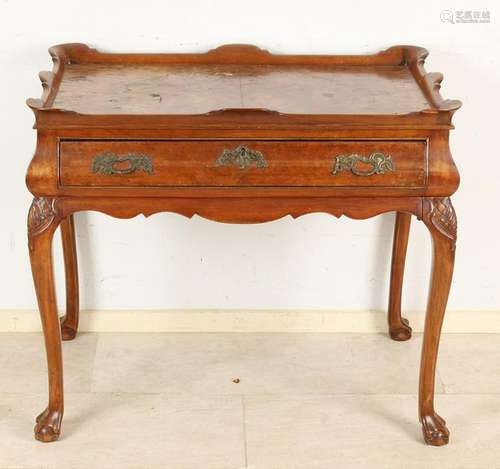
x=379 y=162
x=241 y=156
x=105 y=163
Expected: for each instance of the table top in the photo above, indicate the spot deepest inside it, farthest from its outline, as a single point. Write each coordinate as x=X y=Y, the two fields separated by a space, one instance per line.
x=198 y=89
x=388 y=87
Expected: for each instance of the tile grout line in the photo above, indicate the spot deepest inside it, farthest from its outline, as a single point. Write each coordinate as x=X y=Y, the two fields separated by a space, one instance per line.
x=244 y=415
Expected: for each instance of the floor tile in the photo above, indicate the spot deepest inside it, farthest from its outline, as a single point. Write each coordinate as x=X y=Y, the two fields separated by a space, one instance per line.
x=261 y=363
x=126 y=431
x=380 y=365
x=470 y=363
x=300 y=401
x=201 y=364
x=369 y=431
x=24 y=365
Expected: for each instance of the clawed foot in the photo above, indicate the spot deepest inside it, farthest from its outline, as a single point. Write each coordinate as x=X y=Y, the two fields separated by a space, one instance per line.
x=401 y=332
x=434 y=430
x=48 y=426
x=68 y=332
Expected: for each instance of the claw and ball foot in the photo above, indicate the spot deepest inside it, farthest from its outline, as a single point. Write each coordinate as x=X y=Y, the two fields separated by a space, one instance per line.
x=440 y=218
x=434 y=430
x=48 y=426
x=43 y=219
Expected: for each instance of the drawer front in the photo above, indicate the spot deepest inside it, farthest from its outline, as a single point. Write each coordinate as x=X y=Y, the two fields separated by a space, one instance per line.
x=238 y=163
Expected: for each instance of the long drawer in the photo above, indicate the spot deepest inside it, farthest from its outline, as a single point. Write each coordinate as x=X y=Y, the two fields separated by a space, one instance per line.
x=242 y=163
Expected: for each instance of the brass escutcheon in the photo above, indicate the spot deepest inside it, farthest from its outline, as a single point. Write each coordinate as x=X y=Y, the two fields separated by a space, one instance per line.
x=105 y=163
x=242 y=157
x=380 y=163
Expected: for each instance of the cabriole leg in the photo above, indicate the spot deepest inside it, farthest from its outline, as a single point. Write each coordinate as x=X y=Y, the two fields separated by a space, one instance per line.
x=43 y=220
x=399 y=328
x=69 y=322
x=440 y=218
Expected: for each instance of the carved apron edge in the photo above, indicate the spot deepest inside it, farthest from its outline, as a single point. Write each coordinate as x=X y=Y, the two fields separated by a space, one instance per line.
x=41 y=214
x=441 y=214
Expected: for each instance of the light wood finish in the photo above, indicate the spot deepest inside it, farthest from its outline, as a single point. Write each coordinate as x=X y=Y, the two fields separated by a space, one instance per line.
x=399 y=327
x=169 y=117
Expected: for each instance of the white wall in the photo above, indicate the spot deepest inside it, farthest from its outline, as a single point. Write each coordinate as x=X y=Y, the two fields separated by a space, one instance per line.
x=317 y=261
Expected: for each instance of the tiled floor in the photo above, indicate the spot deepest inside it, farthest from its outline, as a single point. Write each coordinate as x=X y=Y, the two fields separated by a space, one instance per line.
x=266 y=401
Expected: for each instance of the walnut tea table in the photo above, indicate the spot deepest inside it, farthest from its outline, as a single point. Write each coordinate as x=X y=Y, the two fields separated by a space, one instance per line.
x=240 y=135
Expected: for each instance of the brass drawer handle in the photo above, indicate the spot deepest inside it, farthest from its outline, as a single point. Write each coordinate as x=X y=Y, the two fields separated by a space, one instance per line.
x=242 y=157
x=105 y=163
x=380 y=163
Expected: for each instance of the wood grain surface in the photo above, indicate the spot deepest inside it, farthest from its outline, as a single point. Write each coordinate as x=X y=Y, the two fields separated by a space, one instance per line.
x=289 y=163
x=132 y=134
x=198 y=89
x=239 y=85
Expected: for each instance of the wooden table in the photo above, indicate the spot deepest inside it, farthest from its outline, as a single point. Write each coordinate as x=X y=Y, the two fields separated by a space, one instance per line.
x=240 y=135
